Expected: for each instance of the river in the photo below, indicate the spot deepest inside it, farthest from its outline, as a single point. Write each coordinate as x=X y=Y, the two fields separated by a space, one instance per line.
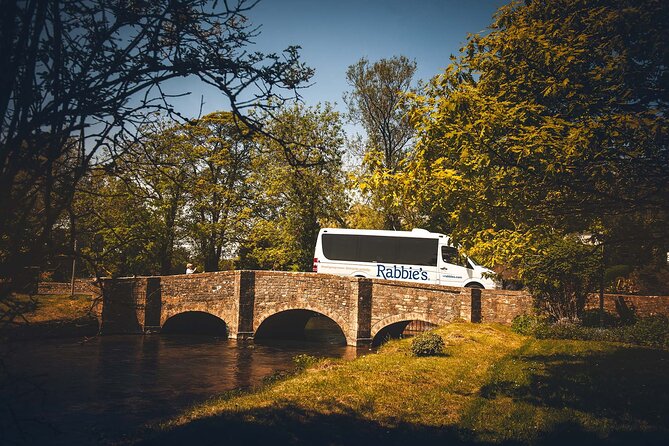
x=65 y=391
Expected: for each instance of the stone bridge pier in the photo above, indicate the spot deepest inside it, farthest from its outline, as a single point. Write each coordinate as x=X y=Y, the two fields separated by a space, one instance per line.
x=245 y=300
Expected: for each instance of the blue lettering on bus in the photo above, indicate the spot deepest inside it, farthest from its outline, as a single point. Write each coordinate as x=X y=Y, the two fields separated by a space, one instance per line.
x=395 y=272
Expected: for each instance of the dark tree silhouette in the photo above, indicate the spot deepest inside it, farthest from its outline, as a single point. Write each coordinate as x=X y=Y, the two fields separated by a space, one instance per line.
x=78 y=76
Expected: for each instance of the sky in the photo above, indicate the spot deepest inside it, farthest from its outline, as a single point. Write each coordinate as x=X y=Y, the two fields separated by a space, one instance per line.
x=335 y=34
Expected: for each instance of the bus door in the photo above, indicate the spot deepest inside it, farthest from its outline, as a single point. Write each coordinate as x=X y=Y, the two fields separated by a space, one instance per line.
x=453 y=267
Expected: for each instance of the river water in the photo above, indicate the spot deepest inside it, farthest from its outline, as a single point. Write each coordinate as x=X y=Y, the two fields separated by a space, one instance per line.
x=65 y=391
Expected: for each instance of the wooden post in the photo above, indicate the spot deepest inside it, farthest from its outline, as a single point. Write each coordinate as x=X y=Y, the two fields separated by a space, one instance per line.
x=74 y=267
x=601 y=289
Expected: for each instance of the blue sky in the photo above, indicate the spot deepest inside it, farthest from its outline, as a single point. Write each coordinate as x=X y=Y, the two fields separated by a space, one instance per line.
x=334 y=34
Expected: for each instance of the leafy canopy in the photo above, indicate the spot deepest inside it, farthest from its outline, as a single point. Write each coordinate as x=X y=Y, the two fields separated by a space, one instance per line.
x=378 y=102
x=552 y=123
x=555 y=121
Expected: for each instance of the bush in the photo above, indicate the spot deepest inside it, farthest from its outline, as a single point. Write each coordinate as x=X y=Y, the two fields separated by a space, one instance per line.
x=427 y=344
x=562 y=330
x=561 y=275
x=593 y=318
x=303 y=362
x=525 y=324
x=652 y=331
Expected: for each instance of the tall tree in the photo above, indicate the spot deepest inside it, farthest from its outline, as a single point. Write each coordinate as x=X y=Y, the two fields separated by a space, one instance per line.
x=377 y=102
x=554 y=122
x=220 y=196
x=116 y=229
x=91 y=70
x=176 y=186
x=152 y=168
x=293 y=202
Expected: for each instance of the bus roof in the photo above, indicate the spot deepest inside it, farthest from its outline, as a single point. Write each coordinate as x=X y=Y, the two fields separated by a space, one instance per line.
x=416 y=233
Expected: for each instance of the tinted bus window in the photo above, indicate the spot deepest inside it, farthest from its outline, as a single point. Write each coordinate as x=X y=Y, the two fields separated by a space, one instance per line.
x=363 y=248
x=418 y=251
x=340 y=247
x=377 y=249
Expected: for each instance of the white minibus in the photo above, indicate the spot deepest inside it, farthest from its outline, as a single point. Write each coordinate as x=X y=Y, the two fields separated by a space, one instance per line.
x=417 y=256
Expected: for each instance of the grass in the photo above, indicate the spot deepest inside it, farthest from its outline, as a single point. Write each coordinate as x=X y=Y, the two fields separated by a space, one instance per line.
x=48 y=308
x=54 y=315
x=492 y=386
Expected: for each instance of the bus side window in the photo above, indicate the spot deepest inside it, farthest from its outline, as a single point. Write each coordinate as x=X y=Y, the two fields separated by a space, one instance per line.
x=452 y=256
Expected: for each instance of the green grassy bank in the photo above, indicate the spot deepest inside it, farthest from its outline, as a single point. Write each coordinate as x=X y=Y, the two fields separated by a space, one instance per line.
x=491 y=387
x=45 y=316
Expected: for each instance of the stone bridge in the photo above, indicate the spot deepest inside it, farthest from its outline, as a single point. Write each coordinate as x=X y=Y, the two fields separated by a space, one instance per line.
x=250 y=301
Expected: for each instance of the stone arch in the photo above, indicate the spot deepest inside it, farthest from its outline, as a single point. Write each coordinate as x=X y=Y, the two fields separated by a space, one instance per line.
x=343 y=325
x=195 y=322
x=225 y=316
x=377 y=327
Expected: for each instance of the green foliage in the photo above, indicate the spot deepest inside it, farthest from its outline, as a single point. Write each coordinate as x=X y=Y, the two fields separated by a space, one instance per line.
x=304 y=361
x=301 y=362
x=554 y=122
x=595 y=318
x=295 y=195
x=427 y=344
x=80 y=76
x=494 y=387
x=378 y=102
x=275 y=377
x=153 y=186
x=116 y=229
x=526 y=324
x=177 y=185
x=208 y=191
x=561 y=276
x=650 y=331
x=219 y=165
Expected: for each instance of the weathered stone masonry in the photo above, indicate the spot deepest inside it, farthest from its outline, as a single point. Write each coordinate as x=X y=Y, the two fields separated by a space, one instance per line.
x=245 y=299
x=81 y=286
x=361 y=307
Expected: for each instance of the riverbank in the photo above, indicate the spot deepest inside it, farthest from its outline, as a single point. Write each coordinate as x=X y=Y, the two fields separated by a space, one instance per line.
x=492 y=386
x=49 y=316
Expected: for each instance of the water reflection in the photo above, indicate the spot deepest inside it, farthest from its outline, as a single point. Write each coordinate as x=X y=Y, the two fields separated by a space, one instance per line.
x=106 y=388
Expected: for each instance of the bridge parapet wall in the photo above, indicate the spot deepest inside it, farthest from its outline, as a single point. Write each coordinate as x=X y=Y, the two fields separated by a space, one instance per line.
x=500 y=306
x=361 y=307
x=215 y=293
x=81 y=286
x=631 y=304
x=395 y=301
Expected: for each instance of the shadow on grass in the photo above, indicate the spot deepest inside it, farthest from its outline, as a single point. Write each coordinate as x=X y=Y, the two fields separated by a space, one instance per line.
x=290 y=425
x=626 y=385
